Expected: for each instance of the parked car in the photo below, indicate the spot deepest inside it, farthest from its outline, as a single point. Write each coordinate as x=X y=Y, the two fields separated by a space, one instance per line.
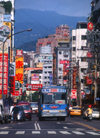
x=34 y=106
x=18 y=113
x=27 y=109
x=96 y=113
x=76 y=110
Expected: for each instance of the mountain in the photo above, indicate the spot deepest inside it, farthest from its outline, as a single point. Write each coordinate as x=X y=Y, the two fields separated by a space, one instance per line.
x=42 y=23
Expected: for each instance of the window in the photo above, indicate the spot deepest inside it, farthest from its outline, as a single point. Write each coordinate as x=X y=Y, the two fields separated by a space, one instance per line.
x=60 y=69
x=83 y=59
x=59 y=52
x=74 y=37
x=83 y=37
x=74 y=48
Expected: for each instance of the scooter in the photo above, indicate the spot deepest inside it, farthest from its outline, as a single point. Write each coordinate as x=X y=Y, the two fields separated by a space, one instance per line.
x=89 y=117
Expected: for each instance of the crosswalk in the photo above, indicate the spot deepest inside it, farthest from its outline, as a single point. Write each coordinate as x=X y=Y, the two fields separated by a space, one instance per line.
x=50 y=132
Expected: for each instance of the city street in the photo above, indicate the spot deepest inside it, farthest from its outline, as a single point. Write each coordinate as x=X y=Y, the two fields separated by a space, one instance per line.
x=74 y=127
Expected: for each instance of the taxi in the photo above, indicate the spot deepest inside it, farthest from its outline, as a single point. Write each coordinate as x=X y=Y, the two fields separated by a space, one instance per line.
x=76 y=110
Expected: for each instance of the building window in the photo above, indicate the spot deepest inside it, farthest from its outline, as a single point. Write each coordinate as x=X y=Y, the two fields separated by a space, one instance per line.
x=74 y=48
x=74 y=37
x=83 y=37
x=83 y=70
x=60 y=52
x=59 y=77
x=60 y=69
x=83 y=59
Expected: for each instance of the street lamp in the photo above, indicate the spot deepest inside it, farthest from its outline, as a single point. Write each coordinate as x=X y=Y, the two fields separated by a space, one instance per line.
x=9 y=36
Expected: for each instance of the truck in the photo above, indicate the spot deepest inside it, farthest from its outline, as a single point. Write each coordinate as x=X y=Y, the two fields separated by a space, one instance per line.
x=53 y=102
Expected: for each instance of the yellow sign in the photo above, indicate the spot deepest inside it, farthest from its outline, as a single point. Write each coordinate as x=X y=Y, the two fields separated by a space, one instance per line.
x=19 y=62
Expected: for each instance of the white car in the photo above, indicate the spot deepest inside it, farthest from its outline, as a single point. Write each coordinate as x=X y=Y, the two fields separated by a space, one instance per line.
x=34 y=106
x=96 y=113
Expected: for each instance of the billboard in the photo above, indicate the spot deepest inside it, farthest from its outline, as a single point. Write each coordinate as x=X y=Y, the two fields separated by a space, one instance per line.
x=19 y=62
x=34 y=77
x=34 y=87
x=4 y=68
x=73 y=94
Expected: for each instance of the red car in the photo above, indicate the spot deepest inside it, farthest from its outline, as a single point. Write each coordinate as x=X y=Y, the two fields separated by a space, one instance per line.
x=27 y=109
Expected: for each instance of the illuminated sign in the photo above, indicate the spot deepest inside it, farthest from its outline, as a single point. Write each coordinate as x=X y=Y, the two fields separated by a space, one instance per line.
x=90 y=26
x=19 y=69
x=53 y=90
x=34 y=87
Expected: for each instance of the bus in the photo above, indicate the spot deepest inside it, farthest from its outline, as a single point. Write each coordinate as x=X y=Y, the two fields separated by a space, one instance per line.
x=53 y=102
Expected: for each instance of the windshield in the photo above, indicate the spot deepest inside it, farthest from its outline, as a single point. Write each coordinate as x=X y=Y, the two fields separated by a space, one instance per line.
x=26 y=107
x=53 y=98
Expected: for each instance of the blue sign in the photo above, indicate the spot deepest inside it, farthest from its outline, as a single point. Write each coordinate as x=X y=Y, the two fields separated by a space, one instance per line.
x=7 y=18
x=98 y=99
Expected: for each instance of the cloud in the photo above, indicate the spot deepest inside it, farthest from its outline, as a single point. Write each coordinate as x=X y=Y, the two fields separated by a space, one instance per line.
x=66 y=7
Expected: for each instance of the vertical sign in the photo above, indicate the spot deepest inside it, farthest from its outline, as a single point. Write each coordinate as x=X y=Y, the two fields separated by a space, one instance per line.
x=19 y=69
x=4 y=68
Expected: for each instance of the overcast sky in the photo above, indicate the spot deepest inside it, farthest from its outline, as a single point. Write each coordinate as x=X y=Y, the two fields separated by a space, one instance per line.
x=65 y=7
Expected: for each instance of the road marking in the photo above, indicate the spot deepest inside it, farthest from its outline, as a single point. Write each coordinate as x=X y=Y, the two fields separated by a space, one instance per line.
x=65 y=127
x=58 y=123
x=65 y=132
x=38 y=126
x=93 y=133
x=51 y=132
x=80 y=129
x=4 y=132
x=35 y=126
x=85 y=125
x=20 y=132
x=78 y=133
x=35 y=132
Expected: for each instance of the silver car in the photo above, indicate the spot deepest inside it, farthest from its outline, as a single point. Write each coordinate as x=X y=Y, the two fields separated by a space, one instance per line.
x=96 y=113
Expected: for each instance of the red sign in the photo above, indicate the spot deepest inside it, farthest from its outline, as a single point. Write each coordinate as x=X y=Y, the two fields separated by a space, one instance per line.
x=90 y=26
x=34 y=87
x=19 y=52
x=4 y=70
x=74 y=94
x=74 y=78
x=88 y=80
x=64 y=61
x=89 y=54
x=12 y=84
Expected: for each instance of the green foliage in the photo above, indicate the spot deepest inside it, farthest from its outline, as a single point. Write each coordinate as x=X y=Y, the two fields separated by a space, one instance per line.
x=7 y=6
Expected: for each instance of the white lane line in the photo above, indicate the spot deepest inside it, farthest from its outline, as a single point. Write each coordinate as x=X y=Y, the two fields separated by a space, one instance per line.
x=51 y=132
x=93 y=133
x=58 y=123
x=4 y=132
x=80 y=129
x=35 y=126
x=35 y=132
x=20 y=132
x=78 y=133
x=64 y=132
x=38 y=126
x=65 y=127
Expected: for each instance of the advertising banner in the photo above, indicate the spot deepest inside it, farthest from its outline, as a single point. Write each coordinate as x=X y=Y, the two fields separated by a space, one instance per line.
x=74 y=94
x=4 y=68
x=34 y=77
x=19 y=61
x=19 y=52
x=34 y=87
x=12 y=84
x=74 y=78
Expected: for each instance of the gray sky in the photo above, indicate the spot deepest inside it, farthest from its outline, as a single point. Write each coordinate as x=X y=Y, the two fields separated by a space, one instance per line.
x=65 y=7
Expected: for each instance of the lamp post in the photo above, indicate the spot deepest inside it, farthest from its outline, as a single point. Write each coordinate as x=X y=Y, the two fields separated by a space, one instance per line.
x=5 y=39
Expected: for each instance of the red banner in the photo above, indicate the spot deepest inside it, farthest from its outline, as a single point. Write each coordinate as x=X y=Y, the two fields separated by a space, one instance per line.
x=12 y=84
x=34 y=87
x=4 y=70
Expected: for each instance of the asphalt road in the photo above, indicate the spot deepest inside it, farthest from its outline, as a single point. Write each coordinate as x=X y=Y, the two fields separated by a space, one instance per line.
x=71 y=127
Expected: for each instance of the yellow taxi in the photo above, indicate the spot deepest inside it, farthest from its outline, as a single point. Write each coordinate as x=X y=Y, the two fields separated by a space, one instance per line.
x=76 y=110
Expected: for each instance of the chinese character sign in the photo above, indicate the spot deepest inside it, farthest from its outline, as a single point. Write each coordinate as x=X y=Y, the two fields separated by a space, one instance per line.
x=19 y=69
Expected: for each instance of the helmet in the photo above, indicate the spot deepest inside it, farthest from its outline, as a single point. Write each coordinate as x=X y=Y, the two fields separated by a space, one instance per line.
x=89 y=106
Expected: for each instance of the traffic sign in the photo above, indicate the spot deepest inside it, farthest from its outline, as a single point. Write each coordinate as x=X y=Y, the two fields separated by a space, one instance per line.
x=90 y=26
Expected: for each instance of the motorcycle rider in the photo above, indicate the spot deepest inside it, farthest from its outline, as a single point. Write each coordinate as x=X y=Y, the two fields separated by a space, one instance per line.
x=89 y=112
